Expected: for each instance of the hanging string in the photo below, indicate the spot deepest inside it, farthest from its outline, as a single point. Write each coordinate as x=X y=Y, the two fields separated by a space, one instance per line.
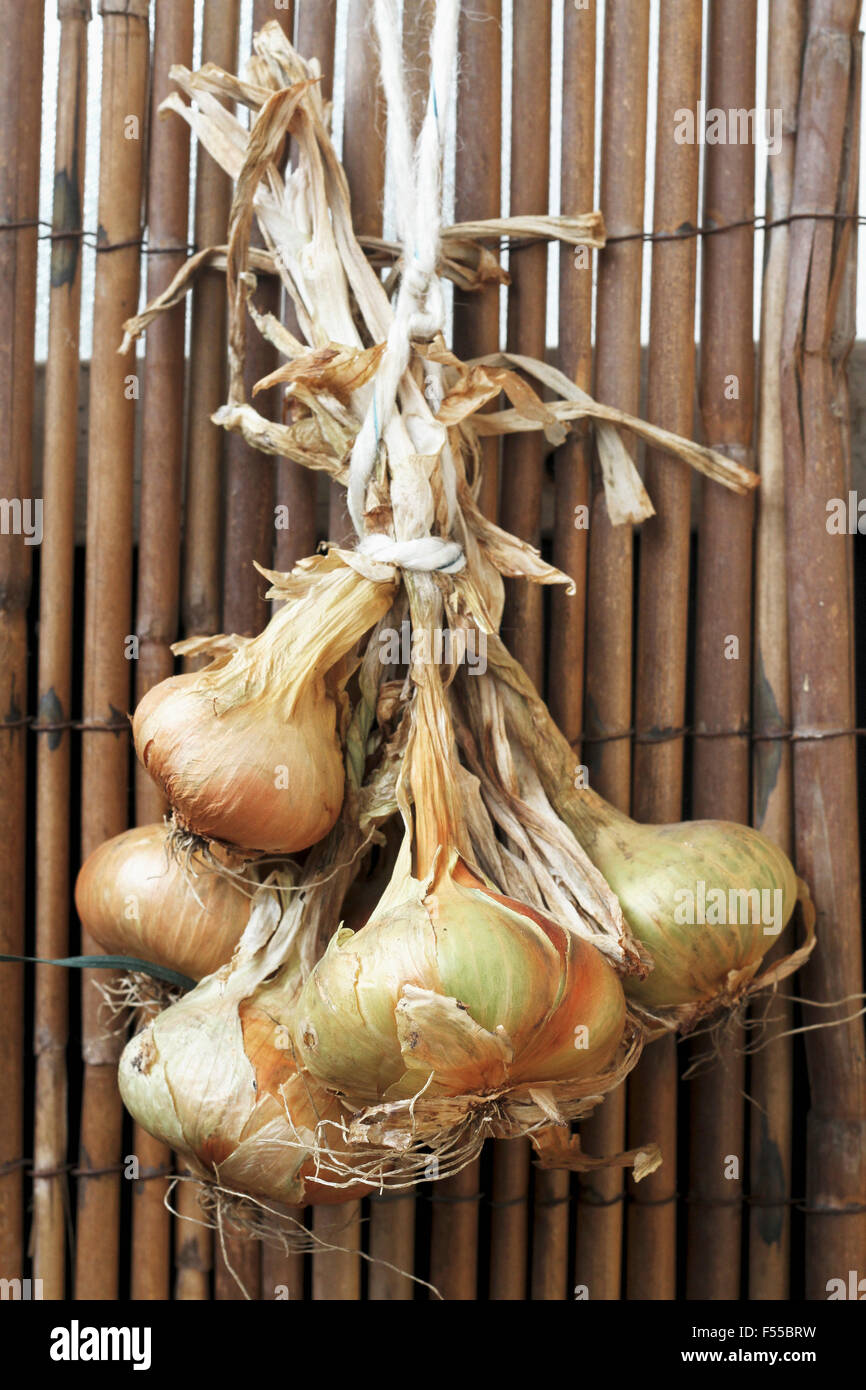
x=419 y=310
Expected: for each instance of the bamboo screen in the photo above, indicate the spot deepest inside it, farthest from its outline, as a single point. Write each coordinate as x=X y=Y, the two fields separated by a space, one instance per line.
x=704 y=667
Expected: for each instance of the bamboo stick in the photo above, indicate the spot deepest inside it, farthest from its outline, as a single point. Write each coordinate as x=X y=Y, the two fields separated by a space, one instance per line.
x=520 y=513
x=509 y=1227
x=201 y=590
x=337 y=1273
x=237 y=1267
x=724 y=604
x=771 y=1071
x=201 y=596
x=21 y=74
x=523 y=455
x=364 y=162
x=610 y=582
x=478 y=194
x=663 y=606
x=193 y=1247
x=392 y=1243
x=160 y=535
x=108 y=605
x=296 y=486
x=550 y=1233
x=815 y=423
x=53 y=772
x=249 y=477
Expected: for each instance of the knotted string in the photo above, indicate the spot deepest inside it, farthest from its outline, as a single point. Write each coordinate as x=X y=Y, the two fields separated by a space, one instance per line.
x=419 y=310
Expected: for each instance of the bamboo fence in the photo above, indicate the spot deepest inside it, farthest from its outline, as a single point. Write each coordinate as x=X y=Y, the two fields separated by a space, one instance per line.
x=703 y=667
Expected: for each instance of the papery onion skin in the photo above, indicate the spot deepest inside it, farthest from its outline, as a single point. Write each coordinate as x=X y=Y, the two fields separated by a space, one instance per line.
x=220 y=769
x=231 y=1100
x=247 y=751
x=135 y=898
x=652 y=869
x=518 y=978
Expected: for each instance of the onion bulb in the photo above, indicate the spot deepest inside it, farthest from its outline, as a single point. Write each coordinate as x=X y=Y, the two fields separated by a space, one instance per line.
x=247 y=750
x=456 y=982
x=451 y=987
x=135 y=898
x=706 y=898
x=213 y=1076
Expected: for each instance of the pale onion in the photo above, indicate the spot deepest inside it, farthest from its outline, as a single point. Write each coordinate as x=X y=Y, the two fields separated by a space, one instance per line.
x=213 y=1076
x=451 y=987
x=137 y=898
x=247 y=751
x=456 y=982
x=657 y=871
x=664 y=874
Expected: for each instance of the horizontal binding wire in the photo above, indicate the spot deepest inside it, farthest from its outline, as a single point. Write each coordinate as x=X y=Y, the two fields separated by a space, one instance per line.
x=63 y=1168
x=92 y=240
x=687 y=731
x=467 y=1197
x=688 y=232
x=654 y=1201
x=36 y=726
x=649 y=736
x=589 y=1197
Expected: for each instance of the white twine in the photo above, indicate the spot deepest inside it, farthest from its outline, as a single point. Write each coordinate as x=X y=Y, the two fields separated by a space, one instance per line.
x=419 y=312
x=423 y=555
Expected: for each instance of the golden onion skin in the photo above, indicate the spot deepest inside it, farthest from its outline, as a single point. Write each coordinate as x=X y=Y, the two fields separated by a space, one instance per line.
x=135 y=899
x=247 y=750
x=221 y=1090
x=221 y=768
x=516 y=977
x=648 y=866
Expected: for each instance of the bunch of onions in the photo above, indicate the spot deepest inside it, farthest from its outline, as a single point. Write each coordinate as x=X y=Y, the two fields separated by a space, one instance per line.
x=213 y=1075
x=452 y=988
x=247 y=751
x=138 y=899
x=706 y=898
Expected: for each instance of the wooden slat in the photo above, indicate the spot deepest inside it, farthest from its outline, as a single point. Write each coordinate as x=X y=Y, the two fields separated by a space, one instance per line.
x=663 y=606
x=724 y=616
x=611 y=565
x=364 y=162
x=771 y=1071
x=160 y=534
x=20 y=104
x=814 y=404
x=108 y=599
x=56 y=619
